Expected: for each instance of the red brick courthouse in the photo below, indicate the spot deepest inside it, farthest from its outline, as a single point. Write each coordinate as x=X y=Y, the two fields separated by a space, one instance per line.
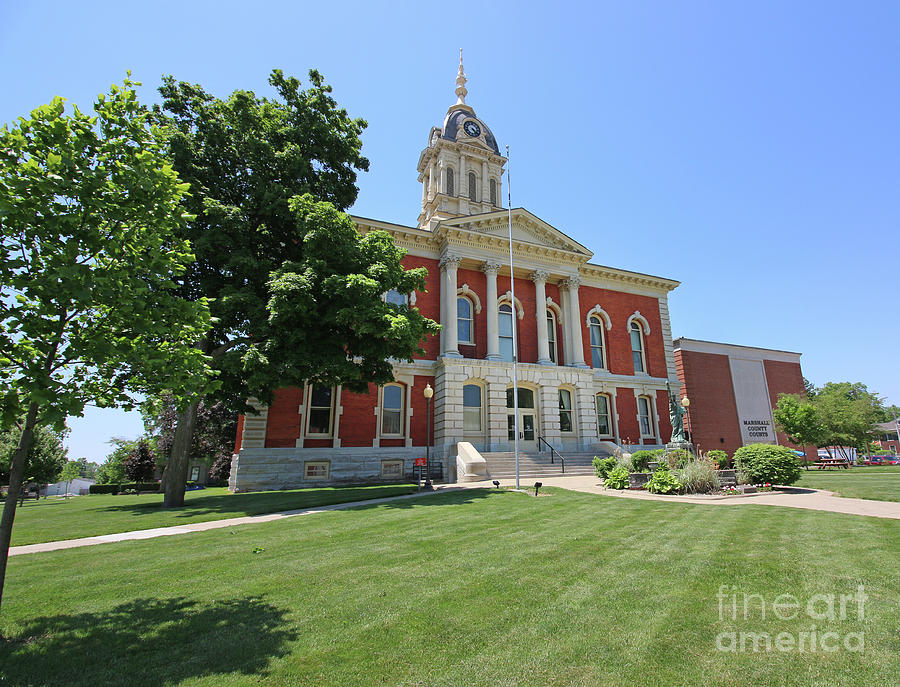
x=594 y=342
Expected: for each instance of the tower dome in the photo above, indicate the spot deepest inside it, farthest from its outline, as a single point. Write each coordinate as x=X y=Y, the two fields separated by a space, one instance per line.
x=461 y=169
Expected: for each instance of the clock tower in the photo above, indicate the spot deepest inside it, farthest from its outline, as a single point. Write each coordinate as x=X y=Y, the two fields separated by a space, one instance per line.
x=461 y=169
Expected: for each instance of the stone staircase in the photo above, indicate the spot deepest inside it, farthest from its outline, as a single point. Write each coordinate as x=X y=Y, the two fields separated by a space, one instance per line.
x=537 y=465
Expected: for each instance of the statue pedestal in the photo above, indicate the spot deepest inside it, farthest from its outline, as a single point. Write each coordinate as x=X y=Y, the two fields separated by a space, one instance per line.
x=679 y=445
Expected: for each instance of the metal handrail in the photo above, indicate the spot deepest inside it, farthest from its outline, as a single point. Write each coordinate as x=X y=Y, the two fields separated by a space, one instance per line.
x=553 y=452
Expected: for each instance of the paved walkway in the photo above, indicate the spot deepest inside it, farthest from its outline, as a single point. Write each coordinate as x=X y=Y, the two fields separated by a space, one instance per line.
x=791 y=497
x=209 y=525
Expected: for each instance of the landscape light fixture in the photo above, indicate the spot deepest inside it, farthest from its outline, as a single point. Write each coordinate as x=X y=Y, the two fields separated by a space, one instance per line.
x=497 y=483
x=537 y=485
x=428 y=392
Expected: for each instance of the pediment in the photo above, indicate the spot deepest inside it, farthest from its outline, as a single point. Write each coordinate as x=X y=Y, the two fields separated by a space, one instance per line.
x=526 y=228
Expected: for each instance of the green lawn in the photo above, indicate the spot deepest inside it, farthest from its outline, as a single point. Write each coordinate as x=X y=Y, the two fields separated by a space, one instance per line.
x=876 y=483
x=462 y=588
x=86 y=516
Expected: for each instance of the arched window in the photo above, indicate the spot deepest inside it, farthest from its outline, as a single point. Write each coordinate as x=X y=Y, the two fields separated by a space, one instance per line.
x=604 y=420
x=494 y=192
x=598 y=359
x=472 y=185
x=395 y=297
x=465 y=324
x=392 y=410
x=644 y=417
x=449 y=181
x=505 y=329
x=319 y=413
x=637 y=348
x=565 y=411
x=472 y=408
x=551 y=335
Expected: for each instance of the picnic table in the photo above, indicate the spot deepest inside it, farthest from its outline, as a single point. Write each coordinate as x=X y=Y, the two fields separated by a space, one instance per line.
x=823 y=463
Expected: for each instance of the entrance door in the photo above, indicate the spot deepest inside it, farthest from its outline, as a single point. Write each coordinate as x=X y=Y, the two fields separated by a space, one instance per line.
x=527 y=420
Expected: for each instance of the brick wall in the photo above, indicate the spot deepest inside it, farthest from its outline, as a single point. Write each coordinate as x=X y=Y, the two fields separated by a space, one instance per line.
x=283 y=427
x=620 y=306
x=713 y=411
x=358 y=420
x=429 y=303
x=239 y=435
x=477 y=282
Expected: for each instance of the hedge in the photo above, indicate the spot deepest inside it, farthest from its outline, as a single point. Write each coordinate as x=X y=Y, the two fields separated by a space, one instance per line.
x=126 y=486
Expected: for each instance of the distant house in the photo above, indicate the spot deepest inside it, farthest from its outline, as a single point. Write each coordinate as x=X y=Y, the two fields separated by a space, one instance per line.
x=889 y=436
x=77 y=487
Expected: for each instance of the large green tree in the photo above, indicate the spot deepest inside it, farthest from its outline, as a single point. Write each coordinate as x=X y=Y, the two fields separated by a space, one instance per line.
x=89 y=255
x=46 y=456
x=269 y=178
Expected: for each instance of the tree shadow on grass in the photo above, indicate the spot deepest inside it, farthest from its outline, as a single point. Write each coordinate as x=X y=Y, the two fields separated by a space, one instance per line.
x=147 y=642
x=260 y=502
x=454 y=497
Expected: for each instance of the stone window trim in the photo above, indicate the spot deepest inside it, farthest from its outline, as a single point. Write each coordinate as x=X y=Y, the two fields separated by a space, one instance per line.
x=611 y=414
x=316 y=469
x=305 y=408
x=465 y=292
x=641 y=320
x=552 y=341
x=389 y=468
x=404 y=425
x=493 y=193
x=406 y=381
x=651 y=415
x=596 y=320
x=639 y=355
x=571 y=391
x=461 y=316
x=410 y=297
x=507 y=299
x=472 y=187
x=603 y=316
x=482 y=408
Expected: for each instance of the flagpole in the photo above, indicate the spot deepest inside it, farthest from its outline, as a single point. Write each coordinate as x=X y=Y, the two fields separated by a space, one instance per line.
x=515 y=340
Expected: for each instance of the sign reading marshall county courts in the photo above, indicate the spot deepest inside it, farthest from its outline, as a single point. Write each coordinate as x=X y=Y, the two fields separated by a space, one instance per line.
x=751 y=395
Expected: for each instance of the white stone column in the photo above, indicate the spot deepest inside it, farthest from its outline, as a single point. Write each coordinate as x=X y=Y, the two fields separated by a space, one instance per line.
x=429 y=194
x=485 y=188
x=449 y=264
x=462 y=174
x=571 y=285
x=539 y=277
x=566 y=334
x=491 y=268
x=441 y=179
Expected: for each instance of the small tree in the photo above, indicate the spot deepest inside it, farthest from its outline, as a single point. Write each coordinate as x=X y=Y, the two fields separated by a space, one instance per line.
x=89 y=207
x=71 y=470
x=139 y=466
x=798 y=418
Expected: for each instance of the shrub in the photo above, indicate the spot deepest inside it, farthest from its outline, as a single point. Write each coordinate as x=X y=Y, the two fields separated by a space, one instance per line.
x=617 y=478
x=640 y=460
x=663 y=481
x=678 y=457
x=719 y=457
x=767 y=463
x=104 y=488
x=139 y=465
x=602 y=466
x=699 y=477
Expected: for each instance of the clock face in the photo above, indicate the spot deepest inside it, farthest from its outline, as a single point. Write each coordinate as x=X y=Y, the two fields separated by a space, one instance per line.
x=472 y=129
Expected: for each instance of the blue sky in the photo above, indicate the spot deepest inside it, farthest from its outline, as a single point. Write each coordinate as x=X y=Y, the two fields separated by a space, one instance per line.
x=749 y=150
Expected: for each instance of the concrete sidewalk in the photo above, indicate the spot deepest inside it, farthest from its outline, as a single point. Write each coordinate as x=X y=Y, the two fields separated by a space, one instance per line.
x=209 y=525
x=790 y=497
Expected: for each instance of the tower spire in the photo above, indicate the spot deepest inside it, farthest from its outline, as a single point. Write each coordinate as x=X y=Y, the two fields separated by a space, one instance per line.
x=461 y=91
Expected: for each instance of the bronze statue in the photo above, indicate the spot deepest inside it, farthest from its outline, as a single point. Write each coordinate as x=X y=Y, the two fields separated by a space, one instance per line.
x=676 y=417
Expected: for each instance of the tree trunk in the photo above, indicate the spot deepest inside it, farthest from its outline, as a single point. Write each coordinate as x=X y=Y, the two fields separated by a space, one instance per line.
x=16 y=476
x=176 y=470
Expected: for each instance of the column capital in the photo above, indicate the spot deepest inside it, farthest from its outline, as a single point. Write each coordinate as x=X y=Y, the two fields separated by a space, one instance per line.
x=491 y=267
x=572 y=283
x=450 y=260
x=539 y=276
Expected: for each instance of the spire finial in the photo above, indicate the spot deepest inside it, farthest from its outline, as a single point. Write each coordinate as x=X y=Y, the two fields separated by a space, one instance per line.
x=461 y=91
